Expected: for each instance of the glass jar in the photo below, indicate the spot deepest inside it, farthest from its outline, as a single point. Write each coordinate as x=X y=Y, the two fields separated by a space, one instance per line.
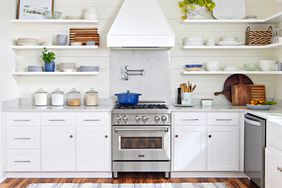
x=58 y=98
x=91 y=98
x=40 y=98
x=74 y=98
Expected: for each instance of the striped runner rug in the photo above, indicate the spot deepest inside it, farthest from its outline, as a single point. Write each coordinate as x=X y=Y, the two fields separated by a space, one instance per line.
x=147 y=185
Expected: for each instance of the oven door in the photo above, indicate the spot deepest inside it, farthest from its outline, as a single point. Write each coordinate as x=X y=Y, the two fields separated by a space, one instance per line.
x=136 y=143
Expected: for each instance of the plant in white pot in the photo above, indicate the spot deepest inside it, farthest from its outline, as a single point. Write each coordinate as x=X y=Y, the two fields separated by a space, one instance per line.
x=196 y=9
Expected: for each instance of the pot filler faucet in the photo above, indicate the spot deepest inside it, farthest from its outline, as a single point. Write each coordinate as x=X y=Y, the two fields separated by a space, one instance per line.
x=131 y=72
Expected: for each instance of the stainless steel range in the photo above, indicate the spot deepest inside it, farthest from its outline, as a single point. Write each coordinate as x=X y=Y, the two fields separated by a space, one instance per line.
x=141 y=138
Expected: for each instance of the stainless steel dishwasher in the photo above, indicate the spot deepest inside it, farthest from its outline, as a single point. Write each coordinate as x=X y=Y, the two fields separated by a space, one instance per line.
x=255 y=143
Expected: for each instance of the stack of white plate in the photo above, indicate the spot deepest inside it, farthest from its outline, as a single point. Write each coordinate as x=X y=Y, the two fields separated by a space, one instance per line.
x=229 y=41
x=27 y=42
x=67 y=67
x=89 y=68
x=34 y=68
x=193 y=41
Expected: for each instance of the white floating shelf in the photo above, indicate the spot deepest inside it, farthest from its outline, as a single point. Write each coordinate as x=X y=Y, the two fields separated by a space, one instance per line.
x=276 y=18
x=270 y=46
x=232 y=72
x=55 y=21
x=55 y=73
x=55 y=47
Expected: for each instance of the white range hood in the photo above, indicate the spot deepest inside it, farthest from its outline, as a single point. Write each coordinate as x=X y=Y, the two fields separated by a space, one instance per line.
x=140 y=24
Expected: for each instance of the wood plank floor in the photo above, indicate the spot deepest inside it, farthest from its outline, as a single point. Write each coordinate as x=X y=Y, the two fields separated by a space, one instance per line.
x=131 y=178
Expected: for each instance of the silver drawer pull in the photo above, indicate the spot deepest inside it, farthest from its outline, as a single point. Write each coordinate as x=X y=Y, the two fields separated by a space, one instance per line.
x=57 y=120
x=279 y=169
x=22 y=138
x=22 y=161
x=22 y=120
x=190 y=119
x=224 y=119
x=91 y=120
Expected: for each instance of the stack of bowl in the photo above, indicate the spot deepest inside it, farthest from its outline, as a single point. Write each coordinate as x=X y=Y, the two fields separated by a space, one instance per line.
x=27 y=42
x=34 y=68
x=89 y=68
x=67 y=67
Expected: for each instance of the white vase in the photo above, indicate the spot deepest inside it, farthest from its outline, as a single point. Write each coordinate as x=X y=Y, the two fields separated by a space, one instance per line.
x=198 y=13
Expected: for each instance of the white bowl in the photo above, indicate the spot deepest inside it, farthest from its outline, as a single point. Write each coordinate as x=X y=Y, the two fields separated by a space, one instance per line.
x=231 y=68
x=266 y=65
x=212 y=66
x=229 y=39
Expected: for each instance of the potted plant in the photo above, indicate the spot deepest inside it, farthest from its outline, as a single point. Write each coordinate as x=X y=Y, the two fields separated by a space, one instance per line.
x=196 y=9
x=49 y=60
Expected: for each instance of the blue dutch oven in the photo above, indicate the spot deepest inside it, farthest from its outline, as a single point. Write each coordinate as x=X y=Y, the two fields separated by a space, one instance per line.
x=128 y=98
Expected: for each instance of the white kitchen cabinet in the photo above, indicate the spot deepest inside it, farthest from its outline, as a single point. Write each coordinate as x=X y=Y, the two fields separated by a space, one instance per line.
x=58 y=148
x=223 y=148
x=273 y=168
x=93 y=149
x=189 y=148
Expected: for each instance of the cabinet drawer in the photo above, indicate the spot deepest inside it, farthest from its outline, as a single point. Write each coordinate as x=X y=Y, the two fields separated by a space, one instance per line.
x=23 y=160
x=274 y=135
x=183 y=118
x=23 y=119
x=59 y=119
x=23 y=138
x=224 y=118
x=102 y=118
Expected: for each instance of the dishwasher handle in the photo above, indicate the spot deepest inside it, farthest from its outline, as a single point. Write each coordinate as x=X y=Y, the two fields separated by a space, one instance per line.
x=253 y=122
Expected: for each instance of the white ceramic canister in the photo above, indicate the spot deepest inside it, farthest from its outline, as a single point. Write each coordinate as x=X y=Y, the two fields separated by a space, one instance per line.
x=58 y=98
x=91 y=98
x=40 y=98
x=187 y=98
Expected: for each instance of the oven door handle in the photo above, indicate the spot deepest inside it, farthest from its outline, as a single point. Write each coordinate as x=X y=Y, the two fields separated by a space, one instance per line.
x=165 y=129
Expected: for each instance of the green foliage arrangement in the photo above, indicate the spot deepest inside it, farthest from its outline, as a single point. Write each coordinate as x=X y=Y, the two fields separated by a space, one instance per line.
x=186 y=5
x=47 y=56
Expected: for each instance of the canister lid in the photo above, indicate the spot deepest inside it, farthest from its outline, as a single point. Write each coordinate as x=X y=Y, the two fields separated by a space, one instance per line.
x=74 y=91
x=92 y=91
x=58 y=91
x=40 y=91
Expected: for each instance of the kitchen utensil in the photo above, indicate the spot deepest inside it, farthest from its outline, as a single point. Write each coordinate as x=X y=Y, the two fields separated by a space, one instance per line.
x=258 y=107
x=62 y=40
x=212 y=66
x=67 y=67
x=128 y=98
x=233 y=80
x=187 y=98
x=52 y=15
x=58 y=98
x=240 y=94
x=206 y=102
x=229 y=9
x=91 y=98
x=250 y=66
x=194 y=67
x=84 y=35
x=40 y=98
x=257 y=92
x=266 y=65
x=74 y=98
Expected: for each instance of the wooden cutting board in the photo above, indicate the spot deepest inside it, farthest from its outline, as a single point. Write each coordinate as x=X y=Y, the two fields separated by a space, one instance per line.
x=233 y=80
x=240 y=94
x=257 y=92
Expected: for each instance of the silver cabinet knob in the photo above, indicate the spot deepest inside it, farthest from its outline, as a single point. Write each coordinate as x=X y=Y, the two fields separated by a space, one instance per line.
x=138 y=119
x=157 y=119
x=164 y=118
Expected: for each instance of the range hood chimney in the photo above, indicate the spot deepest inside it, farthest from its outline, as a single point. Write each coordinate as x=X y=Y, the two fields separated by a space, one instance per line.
x=140 y=24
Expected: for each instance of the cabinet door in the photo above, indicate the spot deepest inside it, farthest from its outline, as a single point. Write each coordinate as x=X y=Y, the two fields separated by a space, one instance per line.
x=58 y=148
x=223 y=148
x=189 y=148
x=273 y=169
x=93 y=149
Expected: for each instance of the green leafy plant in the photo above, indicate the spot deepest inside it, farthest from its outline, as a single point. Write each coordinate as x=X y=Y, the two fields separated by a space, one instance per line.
x=48 y=57
x=186 y=5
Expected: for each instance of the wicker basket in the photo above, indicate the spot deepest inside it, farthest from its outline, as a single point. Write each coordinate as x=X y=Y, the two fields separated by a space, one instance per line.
x=258 y=38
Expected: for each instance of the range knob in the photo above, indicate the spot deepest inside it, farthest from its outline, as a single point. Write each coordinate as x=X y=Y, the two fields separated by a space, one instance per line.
x=164 y=118
x=157 y=119
x=125 y=119
x=145 y=119
x=118 y=119
x=138 y=119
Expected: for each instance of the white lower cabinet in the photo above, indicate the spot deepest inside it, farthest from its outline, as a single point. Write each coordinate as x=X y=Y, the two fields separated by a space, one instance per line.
x=58 y=148
x=223 y=148
x=93 y=148
x=273 y=170
x=190 y=148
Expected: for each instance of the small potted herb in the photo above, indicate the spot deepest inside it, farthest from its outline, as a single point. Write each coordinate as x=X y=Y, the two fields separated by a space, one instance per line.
x=196 y=9
x=49 y=60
